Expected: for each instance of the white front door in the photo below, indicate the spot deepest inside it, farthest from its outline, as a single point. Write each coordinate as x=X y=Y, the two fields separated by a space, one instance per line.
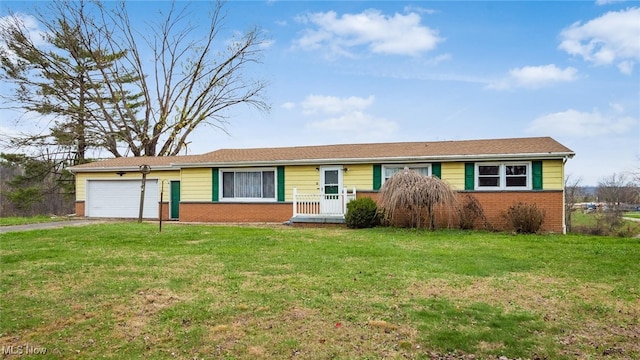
x=330 y=188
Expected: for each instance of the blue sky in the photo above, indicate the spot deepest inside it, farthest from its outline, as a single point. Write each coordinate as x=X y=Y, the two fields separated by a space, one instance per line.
x=378 y=71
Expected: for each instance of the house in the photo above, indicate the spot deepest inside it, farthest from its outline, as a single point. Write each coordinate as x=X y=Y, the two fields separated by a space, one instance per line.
x=313 y=183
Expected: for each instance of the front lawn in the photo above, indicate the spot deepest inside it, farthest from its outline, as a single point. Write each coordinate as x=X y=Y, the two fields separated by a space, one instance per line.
x=23 y=220
x=126 y=291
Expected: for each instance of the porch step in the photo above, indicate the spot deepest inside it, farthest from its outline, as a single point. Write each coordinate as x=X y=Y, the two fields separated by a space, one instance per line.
x=301 y=219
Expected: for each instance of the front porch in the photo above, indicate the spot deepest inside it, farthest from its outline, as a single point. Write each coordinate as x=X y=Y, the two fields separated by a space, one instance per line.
x=321 y=208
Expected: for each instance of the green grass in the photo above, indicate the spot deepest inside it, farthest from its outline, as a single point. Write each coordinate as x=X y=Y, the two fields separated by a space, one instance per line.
x=125 y=290
x=634 y=215
x=23 y=220
x=629 y=228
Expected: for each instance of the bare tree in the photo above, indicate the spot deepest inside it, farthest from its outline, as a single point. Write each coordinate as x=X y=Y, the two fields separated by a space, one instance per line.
x=92 y=75
x=408 y=195
x=616 y=191
x=572 y=194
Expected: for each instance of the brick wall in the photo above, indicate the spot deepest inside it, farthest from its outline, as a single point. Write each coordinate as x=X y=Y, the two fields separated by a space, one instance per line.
x=79 y=208
x=496 y=203
x=235 y=212
x=165 y=210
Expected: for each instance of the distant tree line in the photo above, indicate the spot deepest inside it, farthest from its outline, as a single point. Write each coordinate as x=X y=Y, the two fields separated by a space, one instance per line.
x=614 y=195
x=34 y=187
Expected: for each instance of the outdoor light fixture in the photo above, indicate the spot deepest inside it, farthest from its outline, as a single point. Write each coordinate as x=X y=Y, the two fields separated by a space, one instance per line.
x=120 y=173
x=145 y=170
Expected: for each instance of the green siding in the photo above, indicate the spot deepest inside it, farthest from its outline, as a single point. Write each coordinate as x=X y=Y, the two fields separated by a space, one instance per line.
x=537 y=175
x=436 y=170
x=377 y=176
x=280 y=185
x=216 y=185
x=469 y=177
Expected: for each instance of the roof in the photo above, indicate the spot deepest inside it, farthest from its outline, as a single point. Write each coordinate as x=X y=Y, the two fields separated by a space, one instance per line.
x=535 y=147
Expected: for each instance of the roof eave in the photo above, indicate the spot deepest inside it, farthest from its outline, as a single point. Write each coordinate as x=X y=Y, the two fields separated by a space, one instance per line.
x=104 y=169
x=399 y=159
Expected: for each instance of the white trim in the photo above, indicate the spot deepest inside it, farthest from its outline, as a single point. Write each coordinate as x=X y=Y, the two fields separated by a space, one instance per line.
x=410 y=166
x=331 y=203
x=503 y=176
x=331 y=167
x=221 y=197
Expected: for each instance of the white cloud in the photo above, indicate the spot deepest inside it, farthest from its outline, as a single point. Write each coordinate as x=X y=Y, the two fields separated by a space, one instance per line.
x=335 y=105
x=607 y=2
x=438 y=59
x=288 y=105
x=381 y=34
x=356 y=122
x=583 y=124
x=611 y=38
x=30 y=26
x=27 y=22
x=347 y=116
x=626 y=67
x=420 y=10
x=534 y=77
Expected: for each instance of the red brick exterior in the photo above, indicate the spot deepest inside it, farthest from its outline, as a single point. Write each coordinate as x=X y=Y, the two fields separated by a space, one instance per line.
x=235 y=212
x=79 y=208
x=165 y=210
x=495 y=203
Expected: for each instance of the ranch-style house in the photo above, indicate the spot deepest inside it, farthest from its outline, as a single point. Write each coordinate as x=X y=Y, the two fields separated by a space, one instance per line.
x=312 y=184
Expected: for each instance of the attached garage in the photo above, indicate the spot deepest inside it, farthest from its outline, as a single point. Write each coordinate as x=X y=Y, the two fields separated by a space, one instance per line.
x=121 y=199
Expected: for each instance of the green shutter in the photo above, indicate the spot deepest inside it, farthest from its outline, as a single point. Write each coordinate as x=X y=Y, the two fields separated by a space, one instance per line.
x=280 y=183
x=377 y=176
x=216 y=185
x=469 y=177
x=436 y=170
x=537 y=175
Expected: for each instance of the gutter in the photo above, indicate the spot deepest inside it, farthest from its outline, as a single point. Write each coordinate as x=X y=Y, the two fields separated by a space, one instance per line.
x=119 y=168
x=389 y=160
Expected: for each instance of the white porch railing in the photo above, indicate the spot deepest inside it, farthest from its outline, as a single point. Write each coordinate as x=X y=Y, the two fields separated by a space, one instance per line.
x=319 y=205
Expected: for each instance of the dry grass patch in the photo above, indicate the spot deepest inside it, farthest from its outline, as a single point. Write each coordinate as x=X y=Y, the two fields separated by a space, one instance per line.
x=586 y=316
x=305 y=333
x=133 y=317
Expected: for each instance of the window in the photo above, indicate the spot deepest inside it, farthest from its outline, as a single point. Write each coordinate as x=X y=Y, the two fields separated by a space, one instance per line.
x=249 y=184
x=390 y=170
x=513 y=176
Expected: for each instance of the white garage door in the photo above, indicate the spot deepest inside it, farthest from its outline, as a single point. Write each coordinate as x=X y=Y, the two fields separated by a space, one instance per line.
x=121 y=199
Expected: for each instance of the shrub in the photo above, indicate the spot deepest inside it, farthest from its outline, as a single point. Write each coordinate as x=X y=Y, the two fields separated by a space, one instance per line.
x=410 y=199
x=361 y=213
x=471 y=213
x=524 y=218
